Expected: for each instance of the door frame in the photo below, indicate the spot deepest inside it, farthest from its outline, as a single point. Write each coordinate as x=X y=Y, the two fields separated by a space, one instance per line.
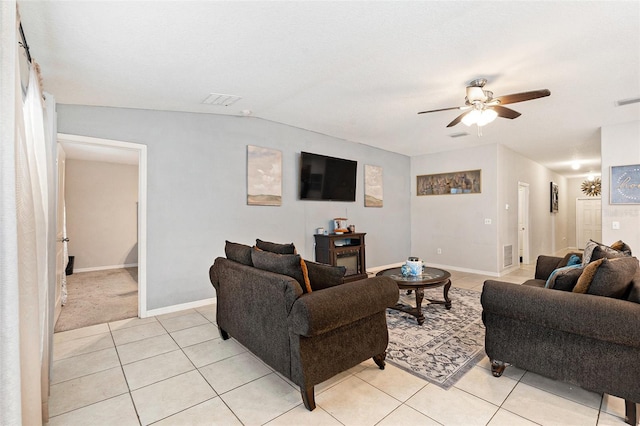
x=142 y=204
x=525 y=219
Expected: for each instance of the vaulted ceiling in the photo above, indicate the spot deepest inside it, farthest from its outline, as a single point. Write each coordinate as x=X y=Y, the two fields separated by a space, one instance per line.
x=356 y=70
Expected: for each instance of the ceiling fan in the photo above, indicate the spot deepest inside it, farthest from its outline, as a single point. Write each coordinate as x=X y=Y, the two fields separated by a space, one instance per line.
x=482 y=108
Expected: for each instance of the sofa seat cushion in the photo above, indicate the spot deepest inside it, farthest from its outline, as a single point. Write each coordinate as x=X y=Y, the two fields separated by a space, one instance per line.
x=534 y=283
x=608 y=277
x=238 y=253
x=290 y=265
x=276 y=247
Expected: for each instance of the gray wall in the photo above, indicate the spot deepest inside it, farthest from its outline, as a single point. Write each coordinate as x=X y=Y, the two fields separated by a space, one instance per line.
x=101 y=204
x=197 y=192
x=620 y=147
x=455 y=223
x=547 y=231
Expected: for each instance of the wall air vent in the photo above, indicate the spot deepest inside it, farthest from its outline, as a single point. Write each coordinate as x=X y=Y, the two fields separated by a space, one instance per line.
x=508 y=255
x=623 y=102
x=221 y=100
x=458 y=135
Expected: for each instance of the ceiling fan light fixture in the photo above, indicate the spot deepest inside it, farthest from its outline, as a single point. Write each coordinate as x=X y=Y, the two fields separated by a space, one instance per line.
x=480 y=117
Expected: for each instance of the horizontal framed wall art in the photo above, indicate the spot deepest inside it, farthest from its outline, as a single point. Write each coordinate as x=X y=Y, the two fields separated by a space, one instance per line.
x=464 y=182
x=625 y=184
x=264 y=176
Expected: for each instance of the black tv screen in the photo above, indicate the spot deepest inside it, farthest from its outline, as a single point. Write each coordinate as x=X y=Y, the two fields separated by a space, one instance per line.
x=327 y=178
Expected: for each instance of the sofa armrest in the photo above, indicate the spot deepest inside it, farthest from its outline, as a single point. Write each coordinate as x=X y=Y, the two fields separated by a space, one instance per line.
x=545 y=265
x=324 y=310
x=597 y=317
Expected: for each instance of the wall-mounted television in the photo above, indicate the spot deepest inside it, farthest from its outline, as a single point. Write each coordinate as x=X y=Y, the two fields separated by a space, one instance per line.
x=327 y=178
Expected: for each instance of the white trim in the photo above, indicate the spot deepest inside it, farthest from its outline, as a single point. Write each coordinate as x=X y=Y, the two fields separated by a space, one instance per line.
x=181 y=307
x=142 y=205
x=104 y=268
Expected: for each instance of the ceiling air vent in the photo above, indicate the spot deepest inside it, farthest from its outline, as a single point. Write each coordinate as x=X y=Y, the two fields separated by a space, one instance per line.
x=623 y=102
x=458 y=135
x=220 y=99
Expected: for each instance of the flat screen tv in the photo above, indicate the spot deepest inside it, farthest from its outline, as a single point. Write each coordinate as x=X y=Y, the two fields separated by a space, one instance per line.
x=327 y=178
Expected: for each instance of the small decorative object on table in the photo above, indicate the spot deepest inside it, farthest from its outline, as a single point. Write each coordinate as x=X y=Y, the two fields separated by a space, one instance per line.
x=413 y=267
x=340 y=225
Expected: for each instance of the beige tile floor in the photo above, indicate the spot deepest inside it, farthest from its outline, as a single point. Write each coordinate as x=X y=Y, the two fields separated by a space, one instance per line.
x=175 y=370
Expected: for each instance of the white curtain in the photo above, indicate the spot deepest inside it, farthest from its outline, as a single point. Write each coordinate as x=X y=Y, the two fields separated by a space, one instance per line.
x=25 y=317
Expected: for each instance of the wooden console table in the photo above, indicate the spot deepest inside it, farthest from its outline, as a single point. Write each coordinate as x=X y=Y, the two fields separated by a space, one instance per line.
x=343 y=250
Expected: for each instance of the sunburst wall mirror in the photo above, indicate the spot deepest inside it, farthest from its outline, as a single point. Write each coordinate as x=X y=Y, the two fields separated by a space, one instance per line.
x=592 y=187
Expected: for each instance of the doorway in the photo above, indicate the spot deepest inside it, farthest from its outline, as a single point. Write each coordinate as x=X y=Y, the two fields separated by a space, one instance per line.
x=99 y=148
x=588 y=220
x=523 y=222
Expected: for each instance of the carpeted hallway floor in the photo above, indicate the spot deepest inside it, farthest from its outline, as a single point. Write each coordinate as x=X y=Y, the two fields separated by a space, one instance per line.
x=98 y=297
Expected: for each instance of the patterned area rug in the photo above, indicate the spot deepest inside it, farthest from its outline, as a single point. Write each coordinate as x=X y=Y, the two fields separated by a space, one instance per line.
x=446 y=346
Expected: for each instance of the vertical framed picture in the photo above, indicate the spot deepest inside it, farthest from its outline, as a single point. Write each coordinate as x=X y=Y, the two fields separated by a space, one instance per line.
x=625 y=184
x=264 y=176
x=554 y=198
x=373 y=193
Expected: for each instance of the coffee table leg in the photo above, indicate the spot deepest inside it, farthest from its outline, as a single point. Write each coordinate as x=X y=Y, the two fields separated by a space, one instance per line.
x=419 y=297
x=447 y=303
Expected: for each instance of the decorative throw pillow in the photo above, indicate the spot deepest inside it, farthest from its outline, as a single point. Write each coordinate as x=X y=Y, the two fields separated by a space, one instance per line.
x=586 y=277
x=238 y=253
x=325 y=276
x=622 y=247
x=564 y=278
x=613 y=277
x=276 y=247
x=604 y=252
x=588 y=251
x=285 y=264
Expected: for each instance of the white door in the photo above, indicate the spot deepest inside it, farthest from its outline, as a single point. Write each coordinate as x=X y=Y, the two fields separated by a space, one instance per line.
x=588 y=220
x=61 y=258
x=523 y=222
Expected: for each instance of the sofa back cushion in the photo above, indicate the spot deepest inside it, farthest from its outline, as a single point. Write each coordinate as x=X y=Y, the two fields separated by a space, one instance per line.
x=608 y=277
x=276 y=247
x=238 y=253
x=290 y=265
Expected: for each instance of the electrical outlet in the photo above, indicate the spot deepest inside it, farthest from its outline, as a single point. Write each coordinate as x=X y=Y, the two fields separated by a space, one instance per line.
x=439 y=251
x=487 y=221
x=615 y=225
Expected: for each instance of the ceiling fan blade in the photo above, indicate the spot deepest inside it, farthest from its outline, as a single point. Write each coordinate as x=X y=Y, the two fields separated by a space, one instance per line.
x=458 y=119
x=438 y=110
x=524 y=96
x=505 y=112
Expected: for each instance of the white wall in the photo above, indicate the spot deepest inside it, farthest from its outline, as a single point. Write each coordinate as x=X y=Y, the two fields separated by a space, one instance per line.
x=455 y=223
x=197 y=192
x=620 y=146
x=101 y=213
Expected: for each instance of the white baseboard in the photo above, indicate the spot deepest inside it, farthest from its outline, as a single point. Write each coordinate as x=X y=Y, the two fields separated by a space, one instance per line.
x=104 y=268
x=180 y=307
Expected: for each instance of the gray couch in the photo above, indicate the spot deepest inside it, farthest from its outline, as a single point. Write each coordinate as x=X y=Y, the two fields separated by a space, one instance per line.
x=584 y=339
x=307 y=337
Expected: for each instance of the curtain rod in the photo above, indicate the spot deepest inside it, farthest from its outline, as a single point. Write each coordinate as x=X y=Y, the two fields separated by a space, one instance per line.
x=24 y=43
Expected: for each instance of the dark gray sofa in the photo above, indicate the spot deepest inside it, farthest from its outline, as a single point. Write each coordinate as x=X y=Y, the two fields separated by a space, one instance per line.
x=584 y=339
x=307 y=337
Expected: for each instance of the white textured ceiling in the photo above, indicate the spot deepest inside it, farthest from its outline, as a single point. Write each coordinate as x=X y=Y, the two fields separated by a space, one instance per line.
x=356 y=70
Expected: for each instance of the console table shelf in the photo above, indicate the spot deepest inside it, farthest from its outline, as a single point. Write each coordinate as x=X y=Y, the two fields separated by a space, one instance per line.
x=343 y=250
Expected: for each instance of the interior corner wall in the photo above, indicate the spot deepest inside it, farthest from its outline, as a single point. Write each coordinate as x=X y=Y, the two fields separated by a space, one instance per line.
x=455 y=223
x=547 y=231
x=101 y=205
x=620 y=146
x=196 y=192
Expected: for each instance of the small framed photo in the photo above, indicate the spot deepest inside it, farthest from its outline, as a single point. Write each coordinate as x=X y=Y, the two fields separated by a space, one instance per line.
x=554 y=197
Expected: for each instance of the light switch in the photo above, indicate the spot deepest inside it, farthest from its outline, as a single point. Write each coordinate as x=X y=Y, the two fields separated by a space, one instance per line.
x=487 y=221
x=615 y=225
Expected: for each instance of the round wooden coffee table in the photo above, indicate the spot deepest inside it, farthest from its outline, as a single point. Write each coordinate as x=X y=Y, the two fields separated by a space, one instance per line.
x=430 y=278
